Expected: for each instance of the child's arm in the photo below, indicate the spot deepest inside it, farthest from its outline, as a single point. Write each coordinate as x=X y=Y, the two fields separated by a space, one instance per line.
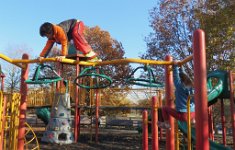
x=47 y=48
x=176 y=77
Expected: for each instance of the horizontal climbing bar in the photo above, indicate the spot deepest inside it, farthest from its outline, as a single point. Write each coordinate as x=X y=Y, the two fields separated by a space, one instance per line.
x=20 y=62
x=86 y=63
x=8 y=59
x=185 y=60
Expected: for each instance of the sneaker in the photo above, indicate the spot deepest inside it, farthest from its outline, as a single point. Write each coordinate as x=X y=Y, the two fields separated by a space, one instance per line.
x=91 y=54
x=193 y=121
x=96 y=59
x=164 y=125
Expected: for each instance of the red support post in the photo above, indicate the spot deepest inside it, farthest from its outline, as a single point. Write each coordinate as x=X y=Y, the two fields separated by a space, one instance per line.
x=170 y=137
x=23 y=104
x=211 y=128
x=231 y=80
x=223 y=121
x=154 y=123
x=200 y=84
x=77 y=110
x=145 y=130
x=58 y=84
x=160 y=105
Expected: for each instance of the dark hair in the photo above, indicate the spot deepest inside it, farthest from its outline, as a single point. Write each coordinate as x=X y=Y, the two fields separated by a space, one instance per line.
x=46 y=28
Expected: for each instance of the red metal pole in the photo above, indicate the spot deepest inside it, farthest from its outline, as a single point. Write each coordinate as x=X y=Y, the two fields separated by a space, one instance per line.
x=77 y=110
x=223 y=121
x=231 y=80
x=210 y=117
x=145 y=130
x=58 y=84
x=170 y=138
x=154 y=123
x=200 y=84
x=97 y=116
x=160 y=105
x=23 y=104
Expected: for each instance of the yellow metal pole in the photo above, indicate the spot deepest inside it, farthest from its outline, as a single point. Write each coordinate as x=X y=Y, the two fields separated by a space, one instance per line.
x=20 y=62
x=8 y=59
x=177 y=143
x=189 y=123
x=1 y=119
x=71 y=61
x=4 y=57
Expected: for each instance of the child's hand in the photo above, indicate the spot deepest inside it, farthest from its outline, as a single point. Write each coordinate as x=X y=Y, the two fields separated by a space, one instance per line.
x=59 y=58
x=40 y=58
x=178 y=63
x=175 y=62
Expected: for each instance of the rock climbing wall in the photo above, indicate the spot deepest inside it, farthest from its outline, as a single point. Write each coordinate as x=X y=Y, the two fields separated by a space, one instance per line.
x=59 y=129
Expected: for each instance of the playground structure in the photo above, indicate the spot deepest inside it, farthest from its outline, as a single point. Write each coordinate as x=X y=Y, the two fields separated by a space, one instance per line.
x=9 y=121
x=202 y=125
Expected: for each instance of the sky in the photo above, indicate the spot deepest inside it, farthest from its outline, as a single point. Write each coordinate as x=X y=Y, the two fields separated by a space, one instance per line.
x=127 y=21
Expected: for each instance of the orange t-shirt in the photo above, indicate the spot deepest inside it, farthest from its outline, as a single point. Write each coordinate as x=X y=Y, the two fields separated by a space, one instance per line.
x=58 y=37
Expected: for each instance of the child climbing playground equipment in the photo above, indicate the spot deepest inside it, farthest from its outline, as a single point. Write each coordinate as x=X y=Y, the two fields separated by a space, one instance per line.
x=201 y=96
x=202 y=100
x=218 y=90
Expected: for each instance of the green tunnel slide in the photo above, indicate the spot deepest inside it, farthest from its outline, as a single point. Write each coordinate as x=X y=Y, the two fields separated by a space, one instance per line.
x=43 y=114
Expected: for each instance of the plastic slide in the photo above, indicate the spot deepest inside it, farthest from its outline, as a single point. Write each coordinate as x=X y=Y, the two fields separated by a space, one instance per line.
x=43 y=114
x=213 y=145
x=219 y=88
x=213 y=93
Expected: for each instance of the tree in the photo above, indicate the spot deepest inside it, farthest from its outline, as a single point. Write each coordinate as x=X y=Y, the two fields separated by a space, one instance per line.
x=13 y=76
x=12 y=72
x=216 y=18
x=108 y=49
x=174 y=22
